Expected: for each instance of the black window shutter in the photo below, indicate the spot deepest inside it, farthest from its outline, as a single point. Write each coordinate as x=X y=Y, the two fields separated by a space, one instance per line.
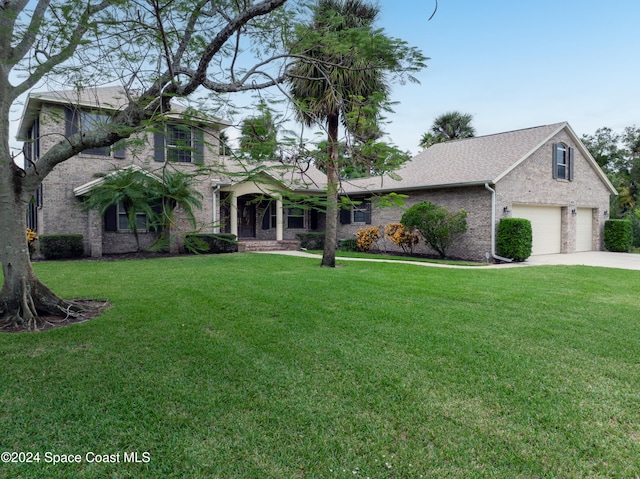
x=367 y=211
x=198 y=137
x=118 y=150
x=158 y=146
x=111 y=218
x=313 y=219
x=570 y=165
x=345 y=216
x=554 y=161
x=71 y=121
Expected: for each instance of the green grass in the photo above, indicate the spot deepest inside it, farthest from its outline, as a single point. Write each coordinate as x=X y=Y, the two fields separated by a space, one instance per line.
x=266 y=366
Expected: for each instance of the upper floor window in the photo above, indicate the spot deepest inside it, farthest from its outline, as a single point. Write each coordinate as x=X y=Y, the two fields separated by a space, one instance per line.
x=85 y=121
x=179 y=143
x=31 y=147
x=562 y=162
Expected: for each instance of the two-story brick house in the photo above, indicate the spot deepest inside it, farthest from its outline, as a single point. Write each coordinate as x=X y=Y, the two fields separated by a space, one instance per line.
x=544 y=174
x=233 y=200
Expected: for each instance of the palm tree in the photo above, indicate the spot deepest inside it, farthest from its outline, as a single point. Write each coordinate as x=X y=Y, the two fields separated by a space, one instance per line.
x=176 y=189
x=129 y=187
x=449 y=126
x=330 y=76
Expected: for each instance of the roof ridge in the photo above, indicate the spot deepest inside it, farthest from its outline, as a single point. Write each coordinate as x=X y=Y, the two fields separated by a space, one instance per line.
x=501 y=133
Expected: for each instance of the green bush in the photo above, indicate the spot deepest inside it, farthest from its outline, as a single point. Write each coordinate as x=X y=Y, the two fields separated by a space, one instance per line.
x=515 y=238
x=311 y=240
x=618 y=235
x=437 y=225
x=350 y=244
x=636 y=232
x=211 y=243
x=61 y=246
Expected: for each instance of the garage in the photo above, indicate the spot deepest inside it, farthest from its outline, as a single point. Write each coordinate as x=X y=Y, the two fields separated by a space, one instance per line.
x=546 y=226
x=584 y=229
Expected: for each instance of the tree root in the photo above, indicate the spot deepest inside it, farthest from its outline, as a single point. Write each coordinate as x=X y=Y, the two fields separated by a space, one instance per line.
x=38 y=308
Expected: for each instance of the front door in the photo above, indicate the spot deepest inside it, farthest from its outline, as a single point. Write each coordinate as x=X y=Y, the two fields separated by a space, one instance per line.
x=246 y=219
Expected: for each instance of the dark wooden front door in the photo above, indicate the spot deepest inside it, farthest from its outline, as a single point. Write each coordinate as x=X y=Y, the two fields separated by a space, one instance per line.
x=246 y=219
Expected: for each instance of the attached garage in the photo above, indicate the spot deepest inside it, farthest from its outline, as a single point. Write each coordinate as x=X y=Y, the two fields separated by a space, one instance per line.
x=546 y=227
x=584 y=229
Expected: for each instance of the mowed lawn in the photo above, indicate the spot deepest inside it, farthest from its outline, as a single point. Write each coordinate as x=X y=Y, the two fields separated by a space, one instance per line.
x=264 y=366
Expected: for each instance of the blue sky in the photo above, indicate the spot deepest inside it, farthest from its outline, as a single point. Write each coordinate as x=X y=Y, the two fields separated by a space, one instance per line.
x=518 y=63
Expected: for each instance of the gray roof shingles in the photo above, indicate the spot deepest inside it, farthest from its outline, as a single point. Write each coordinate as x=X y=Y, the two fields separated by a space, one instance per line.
x=462 y=162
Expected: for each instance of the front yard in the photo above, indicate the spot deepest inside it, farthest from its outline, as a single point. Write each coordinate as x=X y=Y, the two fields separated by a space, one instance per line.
x=264 y=366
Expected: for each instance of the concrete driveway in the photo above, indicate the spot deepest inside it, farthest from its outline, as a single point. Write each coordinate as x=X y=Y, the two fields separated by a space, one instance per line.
x=589 y=258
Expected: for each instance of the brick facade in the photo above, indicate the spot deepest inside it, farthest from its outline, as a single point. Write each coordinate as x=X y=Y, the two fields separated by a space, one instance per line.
x=529 y=181
x=61 y=211
x=532 y=183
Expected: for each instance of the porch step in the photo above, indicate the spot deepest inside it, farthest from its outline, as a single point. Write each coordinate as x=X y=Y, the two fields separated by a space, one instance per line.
x=246 y=246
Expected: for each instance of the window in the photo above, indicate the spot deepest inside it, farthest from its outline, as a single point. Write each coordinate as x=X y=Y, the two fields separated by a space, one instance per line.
x=115 y=219
x=269 y=218
x=123 y=221
x=295 y=218
x=360 y=213
x=179 y=143
x=84 y=121
x=562 y=162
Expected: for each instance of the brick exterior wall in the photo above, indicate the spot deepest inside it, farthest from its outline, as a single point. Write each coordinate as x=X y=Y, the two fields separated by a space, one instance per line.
x=531 y=183
x=61 y=212
x=475 y=200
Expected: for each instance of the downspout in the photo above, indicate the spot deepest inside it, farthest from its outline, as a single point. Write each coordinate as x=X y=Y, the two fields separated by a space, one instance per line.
x=493 y=226
x=216 y=227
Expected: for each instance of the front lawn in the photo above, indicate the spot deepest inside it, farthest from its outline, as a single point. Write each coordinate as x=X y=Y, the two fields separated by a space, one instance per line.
x=267 y=366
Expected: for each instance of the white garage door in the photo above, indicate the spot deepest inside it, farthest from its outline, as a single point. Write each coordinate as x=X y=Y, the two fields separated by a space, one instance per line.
x=546 y=226
x=584 y=229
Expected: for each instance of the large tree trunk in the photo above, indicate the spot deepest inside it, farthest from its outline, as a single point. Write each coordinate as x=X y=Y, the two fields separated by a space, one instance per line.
x=23 y=298
x=333 y=185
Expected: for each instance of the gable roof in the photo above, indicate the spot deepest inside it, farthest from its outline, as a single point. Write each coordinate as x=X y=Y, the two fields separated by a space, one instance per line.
x=472 y=161
x=104 y=98
x=297 y=178
x=82 y=190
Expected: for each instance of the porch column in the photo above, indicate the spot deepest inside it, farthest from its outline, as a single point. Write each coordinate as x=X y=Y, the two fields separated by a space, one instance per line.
x=216 y=209
x=95 y=234
x=279 y=219
x=233 y=212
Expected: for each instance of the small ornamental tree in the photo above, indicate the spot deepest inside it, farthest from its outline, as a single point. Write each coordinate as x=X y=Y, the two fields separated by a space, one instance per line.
x=437 y=225
x=367 y=237
x=515 y=238
x=400 y=236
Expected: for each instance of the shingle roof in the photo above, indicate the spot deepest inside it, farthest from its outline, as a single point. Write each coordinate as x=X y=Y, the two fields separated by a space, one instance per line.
x=109 y=98
x=477 y=160
x=295 y=177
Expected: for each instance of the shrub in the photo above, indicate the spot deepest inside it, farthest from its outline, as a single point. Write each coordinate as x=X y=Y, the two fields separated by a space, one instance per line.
x=618 y=235
x=515 y=238
x=350 y=244
x=311 y=240
x=437 y=225
x=367 y=237
x=401 y=236
x=61 y=246
x=211 y=243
